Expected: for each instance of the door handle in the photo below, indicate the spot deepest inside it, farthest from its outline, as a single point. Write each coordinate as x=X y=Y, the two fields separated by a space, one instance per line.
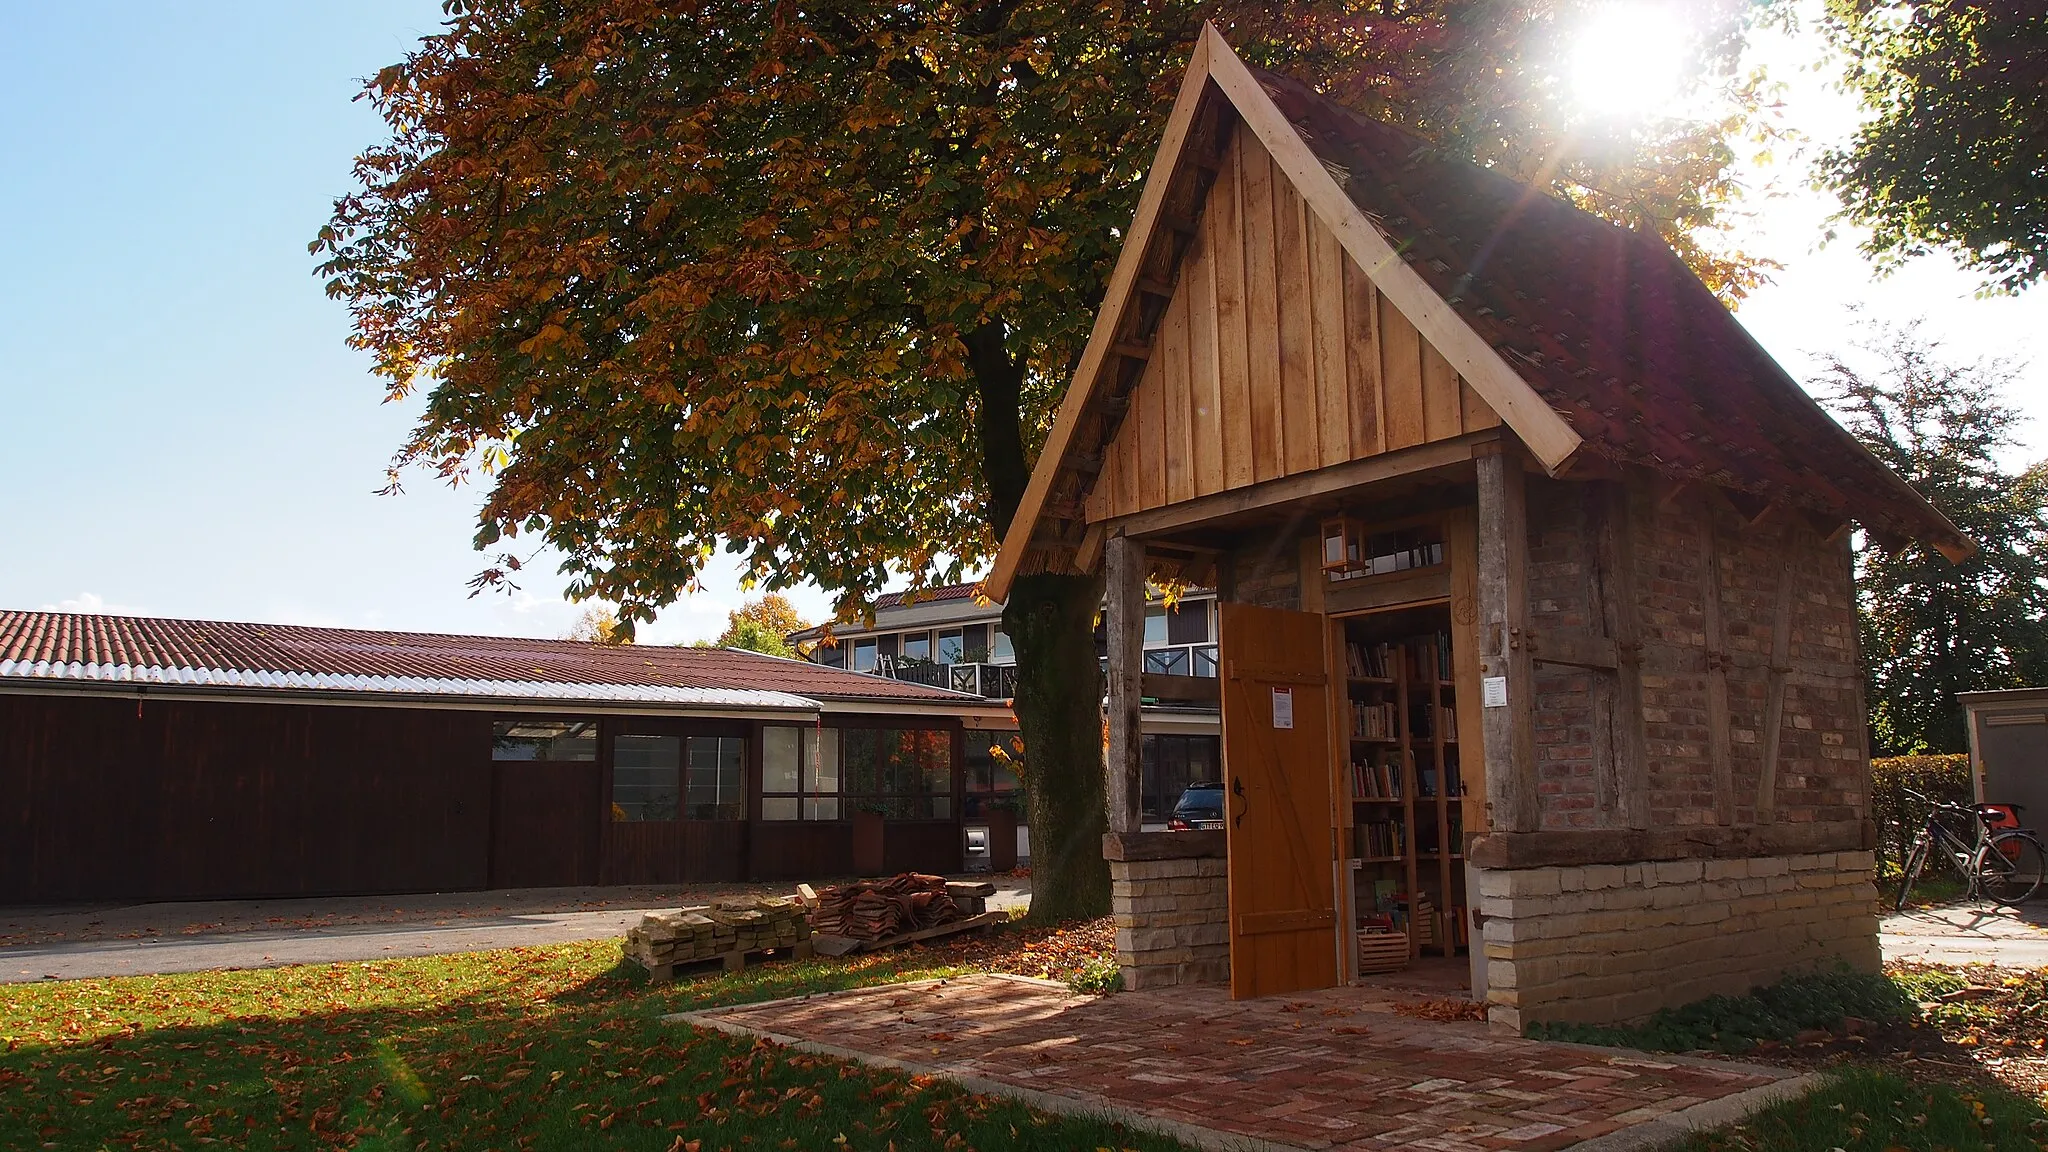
x=1243 y=806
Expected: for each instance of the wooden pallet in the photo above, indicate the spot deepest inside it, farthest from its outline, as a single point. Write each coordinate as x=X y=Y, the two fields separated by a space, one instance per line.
x=729 y=961
x=830 y=945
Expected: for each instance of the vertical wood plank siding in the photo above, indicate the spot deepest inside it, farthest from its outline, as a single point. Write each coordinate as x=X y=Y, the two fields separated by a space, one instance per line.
x=1276 y=356
x=100 y=799
x=105 y=799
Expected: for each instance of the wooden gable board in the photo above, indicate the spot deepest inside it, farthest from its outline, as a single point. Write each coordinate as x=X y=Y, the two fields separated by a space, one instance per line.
x=1394 y=295
x=1322 y=357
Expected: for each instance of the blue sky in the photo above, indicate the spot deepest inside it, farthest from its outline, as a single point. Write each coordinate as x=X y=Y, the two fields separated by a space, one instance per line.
x=187 y=432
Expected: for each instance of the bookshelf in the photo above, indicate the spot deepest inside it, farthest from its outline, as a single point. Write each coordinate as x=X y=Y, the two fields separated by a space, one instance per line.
x=1404 y=776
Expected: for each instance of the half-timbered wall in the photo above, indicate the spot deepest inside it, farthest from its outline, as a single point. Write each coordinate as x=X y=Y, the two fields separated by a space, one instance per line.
x=1276 y=356
x=1751 y=699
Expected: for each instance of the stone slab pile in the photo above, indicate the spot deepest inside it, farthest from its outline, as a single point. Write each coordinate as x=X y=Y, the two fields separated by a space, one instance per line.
x=713 y=930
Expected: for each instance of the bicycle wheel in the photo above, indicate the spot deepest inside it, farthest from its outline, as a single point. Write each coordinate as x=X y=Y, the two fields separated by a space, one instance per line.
x=2010 y=868
x=1916 y=859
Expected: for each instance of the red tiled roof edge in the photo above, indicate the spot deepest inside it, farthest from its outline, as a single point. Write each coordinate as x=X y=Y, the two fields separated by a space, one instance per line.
x=30 y=637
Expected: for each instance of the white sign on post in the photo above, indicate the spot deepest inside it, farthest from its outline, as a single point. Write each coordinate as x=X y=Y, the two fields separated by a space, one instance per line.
x=1283 y=707
x=1493 y=691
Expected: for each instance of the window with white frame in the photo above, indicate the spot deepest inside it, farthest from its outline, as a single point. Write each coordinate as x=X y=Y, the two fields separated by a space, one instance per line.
x=799 y=773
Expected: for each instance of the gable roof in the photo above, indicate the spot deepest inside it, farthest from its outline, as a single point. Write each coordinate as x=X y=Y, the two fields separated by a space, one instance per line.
x=51 y=648
x=1588 y=339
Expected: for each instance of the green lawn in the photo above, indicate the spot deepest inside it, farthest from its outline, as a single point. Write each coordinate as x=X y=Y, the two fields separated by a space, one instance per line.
x=1867 y=1110
x=559 y=1048
x=542 y=1048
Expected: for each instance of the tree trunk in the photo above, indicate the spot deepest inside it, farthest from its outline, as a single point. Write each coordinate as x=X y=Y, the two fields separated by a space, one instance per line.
x=1051 y=621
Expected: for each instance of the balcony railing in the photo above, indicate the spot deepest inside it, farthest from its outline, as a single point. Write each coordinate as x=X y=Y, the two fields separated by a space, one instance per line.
x=999 y=681
x=1181 y=660
x=992 y=681
x=1177 y=660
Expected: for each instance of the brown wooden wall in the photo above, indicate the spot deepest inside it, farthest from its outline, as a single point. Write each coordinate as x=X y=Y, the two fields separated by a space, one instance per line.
x=1276 y=356
x=102 y=799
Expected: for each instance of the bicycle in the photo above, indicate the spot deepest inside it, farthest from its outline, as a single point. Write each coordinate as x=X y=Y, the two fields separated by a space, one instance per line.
x=2005 y=865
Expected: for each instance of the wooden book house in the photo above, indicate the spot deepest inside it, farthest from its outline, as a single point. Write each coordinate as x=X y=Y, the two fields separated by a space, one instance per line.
x=1538 y=639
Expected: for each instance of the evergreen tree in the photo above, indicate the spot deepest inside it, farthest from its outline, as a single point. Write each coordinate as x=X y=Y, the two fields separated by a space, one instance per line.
x=1930 y=628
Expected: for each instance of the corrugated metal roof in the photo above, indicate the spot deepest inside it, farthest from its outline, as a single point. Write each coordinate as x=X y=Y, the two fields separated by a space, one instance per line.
x=54 y=646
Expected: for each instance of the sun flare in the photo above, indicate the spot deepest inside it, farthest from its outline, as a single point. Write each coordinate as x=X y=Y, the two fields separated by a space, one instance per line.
x=1626 y=58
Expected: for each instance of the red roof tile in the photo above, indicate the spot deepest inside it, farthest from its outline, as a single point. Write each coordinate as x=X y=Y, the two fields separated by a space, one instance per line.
x=936 y=595
x=1607 y=324
x=28 y=638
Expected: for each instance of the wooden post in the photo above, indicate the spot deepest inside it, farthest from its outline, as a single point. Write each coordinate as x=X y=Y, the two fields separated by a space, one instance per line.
x=1504 y=657
x=1461 y=549
x=1124 y=619
x=1774 y=693
x=1615 y=558
x=1719 y=754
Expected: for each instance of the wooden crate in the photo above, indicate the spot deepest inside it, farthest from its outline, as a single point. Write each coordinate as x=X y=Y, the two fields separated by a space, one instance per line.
x=1382 y=952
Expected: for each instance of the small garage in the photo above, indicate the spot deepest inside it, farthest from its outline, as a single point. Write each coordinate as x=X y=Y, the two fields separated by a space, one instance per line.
x=2009 y=749
x=150 y=759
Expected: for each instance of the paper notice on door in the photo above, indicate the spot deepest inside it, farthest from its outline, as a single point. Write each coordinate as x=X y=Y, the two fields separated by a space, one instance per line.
x=1493 y=692
x=1283 y=707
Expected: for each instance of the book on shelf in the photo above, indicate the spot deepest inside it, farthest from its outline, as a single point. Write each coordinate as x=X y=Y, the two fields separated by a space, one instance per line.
x=1375 y=778
x=1372 y=721
x=1374 y=660
x=1378 y=838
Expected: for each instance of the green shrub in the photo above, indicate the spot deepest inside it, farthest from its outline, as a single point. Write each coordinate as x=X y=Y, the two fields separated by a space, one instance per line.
x=1098 y=977
x=1944 y=778
x=1737 y=1023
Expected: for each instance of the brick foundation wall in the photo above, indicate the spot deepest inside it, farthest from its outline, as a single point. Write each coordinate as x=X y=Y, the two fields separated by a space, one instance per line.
x=1172 y=921
x=1606 y=943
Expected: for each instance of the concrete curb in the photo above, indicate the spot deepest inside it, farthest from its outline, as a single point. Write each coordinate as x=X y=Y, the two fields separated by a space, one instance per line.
x=1667 y=1130
x=1643 y=1136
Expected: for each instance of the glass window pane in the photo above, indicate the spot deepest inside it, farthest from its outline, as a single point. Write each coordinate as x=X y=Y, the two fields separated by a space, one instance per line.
x=821 y=760
x=645 y=771
x=557 y=740
x=821 y=807
x=778 y=808
x=830 y=655
x=864 y=656
x=712 y=787
x=999 y=650
x=1155 y=624
x=781 y=752
x=917 y=645
x=952 y=647
x=860 y=750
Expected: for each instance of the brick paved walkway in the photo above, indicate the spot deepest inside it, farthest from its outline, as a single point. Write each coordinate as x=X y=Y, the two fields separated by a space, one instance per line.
x=1337 y=1069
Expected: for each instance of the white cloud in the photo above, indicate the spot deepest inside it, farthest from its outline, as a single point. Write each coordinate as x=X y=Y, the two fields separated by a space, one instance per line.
x=92 y=603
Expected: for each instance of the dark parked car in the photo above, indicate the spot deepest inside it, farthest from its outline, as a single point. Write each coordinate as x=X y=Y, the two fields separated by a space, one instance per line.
x=1201 y=806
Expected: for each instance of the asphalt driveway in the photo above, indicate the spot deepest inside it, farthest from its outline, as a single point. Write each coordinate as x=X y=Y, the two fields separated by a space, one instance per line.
x=148 y=939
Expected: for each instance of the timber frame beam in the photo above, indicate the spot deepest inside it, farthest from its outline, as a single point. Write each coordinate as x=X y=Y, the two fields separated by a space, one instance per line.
x=1123 y=618
x=1506 y=664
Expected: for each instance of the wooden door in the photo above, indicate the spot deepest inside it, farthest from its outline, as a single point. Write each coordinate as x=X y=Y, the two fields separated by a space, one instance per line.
x=1276 y=764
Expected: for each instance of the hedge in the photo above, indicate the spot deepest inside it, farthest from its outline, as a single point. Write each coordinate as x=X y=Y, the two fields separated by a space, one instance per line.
x=1944 y=778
